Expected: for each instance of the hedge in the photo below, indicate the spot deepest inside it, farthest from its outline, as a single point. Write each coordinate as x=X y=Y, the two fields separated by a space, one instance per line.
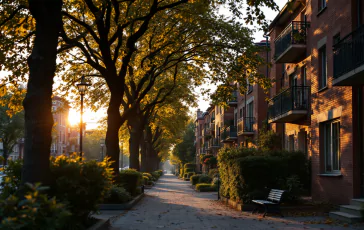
x=194 y=179
x=187 y=170
x=130 y=179
x=189 y=166
x=203 y=179
x=206 y=188
x=248 y=174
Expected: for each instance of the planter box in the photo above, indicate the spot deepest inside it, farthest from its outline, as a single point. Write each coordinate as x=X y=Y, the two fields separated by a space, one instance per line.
x=125 y=206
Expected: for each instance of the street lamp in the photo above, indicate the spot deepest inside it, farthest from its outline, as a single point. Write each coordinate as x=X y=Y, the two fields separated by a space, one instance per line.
x=82 y=87
x=102 y=144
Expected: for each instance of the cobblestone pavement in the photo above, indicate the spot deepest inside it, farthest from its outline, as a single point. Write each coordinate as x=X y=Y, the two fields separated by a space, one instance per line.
x=172 y=204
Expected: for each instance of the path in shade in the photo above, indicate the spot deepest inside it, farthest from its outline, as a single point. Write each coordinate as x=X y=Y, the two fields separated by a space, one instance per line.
x=172 y=204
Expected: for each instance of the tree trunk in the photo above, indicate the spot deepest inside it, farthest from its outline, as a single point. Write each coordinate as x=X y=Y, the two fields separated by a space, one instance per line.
x=136 y=133
x=143 y=155
x=112 y=134
x=38 y=100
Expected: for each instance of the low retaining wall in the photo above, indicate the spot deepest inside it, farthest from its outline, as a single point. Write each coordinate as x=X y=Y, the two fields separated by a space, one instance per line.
x=125 y=206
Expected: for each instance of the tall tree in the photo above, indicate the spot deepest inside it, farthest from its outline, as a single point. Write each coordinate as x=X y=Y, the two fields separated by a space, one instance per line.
x=38 y=99
x=185 y=151
x=11 y=130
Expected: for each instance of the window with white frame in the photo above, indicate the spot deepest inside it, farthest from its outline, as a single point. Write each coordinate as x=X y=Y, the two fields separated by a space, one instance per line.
x=331 y=146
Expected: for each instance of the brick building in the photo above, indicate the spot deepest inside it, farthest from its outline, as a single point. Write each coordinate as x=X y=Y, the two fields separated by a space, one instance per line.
x=317 y=52
x=251 y=112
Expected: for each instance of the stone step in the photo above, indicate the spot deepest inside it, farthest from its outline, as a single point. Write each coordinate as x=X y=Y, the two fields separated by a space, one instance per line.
x=346 y=217
x=358 y=202
x=351 y=209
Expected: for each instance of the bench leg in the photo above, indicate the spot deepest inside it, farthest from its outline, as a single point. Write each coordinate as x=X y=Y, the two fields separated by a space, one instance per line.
x=265 y=210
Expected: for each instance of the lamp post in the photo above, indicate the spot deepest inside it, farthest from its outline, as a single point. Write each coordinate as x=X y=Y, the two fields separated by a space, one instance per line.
x=82 y=87
x=102 y=144
x=122 y=154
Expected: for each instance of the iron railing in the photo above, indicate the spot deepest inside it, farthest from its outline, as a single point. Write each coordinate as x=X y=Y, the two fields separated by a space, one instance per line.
x=293 y=98
x=229 y=132
x=245 y=124
x=349 y=52
x=295 y=33
x=214 y=142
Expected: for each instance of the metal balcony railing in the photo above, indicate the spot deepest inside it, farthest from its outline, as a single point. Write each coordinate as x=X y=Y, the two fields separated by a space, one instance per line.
x=293 y=98
x=349 y=52
x=245 y=124
x=214 y=142
x=295 y=33
x=229 y=133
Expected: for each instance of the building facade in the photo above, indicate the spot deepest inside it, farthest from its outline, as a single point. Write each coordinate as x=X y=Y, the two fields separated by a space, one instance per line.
x=316 y=101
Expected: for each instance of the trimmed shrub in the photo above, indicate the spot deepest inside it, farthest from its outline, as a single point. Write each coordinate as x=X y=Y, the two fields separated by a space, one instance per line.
x=145 y=180
x=190 y=174
x=155 y=175
x=148 y=175
x=117 y=195
x=189 y=166
x=204 y=179
x=194 y=179
x=36 y=211
x=82 y=185
x=188 y=170
x=248 y=174
x=130 y=179
x=206 y=187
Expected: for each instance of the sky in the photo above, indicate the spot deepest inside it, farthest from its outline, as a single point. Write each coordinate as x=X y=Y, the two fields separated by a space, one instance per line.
x=91 y=118
x=203 y=102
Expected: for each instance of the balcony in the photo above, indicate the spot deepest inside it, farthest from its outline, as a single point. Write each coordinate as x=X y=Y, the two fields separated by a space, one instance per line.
x=349 y=59
x=290 y=45
x=229 y=134
x=234 y=100
x=213 y=143
x=245 y=126
x=289 y=106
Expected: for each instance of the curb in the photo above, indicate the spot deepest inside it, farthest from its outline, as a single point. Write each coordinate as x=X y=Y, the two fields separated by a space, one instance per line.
x=100 y=225
x=125 y=206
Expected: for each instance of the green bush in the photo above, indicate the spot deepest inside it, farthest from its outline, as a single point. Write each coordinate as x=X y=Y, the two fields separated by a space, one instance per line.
x=190 y=174
x=148 y=175
x=206 y=187
x=194 y=179
x=247 y=173
x=160 y=172
x=82 y=185
x=117 y=195
x=12 y=178
x=155 y=175
x=189 y=166
x=213 y=172
x=131 y=180
x=145 y=180
x=204 y=179
x=188 y=170
x=35 y=211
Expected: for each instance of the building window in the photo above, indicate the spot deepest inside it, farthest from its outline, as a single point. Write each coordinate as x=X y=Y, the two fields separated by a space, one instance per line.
x=322 y=68
x=331 y=144
x=336 y=38
x=304 y=75
x=322 y=4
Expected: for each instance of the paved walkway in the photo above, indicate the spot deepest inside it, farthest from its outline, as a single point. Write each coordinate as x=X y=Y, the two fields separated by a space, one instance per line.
x=172 y=204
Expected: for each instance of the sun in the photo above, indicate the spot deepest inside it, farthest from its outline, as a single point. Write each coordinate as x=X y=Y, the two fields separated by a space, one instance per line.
x=89 y=117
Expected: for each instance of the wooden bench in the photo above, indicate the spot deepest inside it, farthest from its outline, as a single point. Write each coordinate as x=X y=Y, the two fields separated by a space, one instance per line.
x=271 y=204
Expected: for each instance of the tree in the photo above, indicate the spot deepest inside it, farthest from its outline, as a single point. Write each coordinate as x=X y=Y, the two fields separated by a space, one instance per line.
x=91 y=145
x=103 y=35
x=11 y=130
x=186 y=150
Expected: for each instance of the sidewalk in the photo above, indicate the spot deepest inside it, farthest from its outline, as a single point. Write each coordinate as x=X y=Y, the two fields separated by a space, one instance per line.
x=172 y=204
